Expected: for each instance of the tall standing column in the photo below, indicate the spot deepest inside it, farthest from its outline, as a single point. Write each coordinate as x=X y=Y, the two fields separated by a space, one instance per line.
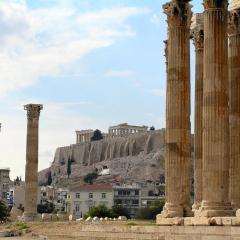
x=215 y=112
x=177 y=153
x=234 y=104
x=197 y=35
x=31 y=172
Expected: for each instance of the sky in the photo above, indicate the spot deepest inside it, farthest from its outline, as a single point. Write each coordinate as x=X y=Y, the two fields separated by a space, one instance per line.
x=91 y=63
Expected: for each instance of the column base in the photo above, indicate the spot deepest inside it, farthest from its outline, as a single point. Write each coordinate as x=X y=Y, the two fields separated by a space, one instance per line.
x=30 y=217
x=213 y=209
x=196 y=206
x=171 y=211
x=175 y=211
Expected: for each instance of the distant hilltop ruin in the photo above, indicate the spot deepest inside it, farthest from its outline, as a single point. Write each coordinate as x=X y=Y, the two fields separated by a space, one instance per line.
x=132 y=152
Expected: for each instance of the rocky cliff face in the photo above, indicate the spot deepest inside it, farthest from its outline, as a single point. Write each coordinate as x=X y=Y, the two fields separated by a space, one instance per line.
x=139 y=157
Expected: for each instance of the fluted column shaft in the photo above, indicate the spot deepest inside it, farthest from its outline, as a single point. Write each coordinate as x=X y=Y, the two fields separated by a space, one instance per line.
x=31 y=171
x=177 y=154
x=215 y=111
x=234 y=103
x=198 y=40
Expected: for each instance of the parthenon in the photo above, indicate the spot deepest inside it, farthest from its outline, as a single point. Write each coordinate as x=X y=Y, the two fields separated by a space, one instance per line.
x=216 y=36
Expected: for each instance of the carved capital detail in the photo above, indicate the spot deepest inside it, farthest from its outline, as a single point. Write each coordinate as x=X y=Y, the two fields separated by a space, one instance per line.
x=234 y=22
x=197 y=35
x=215 y=4
x=179 y=13
x=33 y=110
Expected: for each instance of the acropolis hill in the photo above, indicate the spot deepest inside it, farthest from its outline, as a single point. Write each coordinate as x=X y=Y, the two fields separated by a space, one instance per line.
x=137 y=157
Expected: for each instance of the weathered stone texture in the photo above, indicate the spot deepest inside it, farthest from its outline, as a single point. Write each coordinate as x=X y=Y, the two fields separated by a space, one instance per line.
x=138 y=153
x=197 y=35
x=234 y=103
x=177 y=152
x=215 y=112
x=31 y=172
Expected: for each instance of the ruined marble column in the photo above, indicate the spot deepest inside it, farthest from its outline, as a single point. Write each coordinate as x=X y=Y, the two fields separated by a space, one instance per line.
x=31 y=171
x=177 y=153
x=234 y=105
x=215 y=142
x=197 y=35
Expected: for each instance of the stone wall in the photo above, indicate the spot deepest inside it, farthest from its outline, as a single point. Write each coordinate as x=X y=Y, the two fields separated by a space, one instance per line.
x=123 y=231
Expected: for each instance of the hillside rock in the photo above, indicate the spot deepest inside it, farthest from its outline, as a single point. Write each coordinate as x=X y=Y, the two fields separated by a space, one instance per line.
x=136 y=158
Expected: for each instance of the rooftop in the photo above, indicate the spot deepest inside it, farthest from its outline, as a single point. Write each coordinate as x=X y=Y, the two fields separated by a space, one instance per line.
x=93 y=187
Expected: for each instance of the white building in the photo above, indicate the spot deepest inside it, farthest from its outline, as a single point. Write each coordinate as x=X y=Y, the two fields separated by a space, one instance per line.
x=84 y=197
x=129 y=197
x=54 y=195
x=5 y=183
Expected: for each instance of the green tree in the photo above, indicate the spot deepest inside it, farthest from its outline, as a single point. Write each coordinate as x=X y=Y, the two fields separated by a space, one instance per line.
x=119 y=210
x=69 y=170
x=152 y=128
x=4 y=211
x=45 y=208
x=151 y=211
x=90 y=177
x=97 y=135
x=100 y=211
x=49 y=178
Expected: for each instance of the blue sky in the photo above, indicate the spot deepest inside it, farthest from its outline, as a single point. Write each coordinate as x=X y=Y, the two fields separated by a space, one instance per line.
x=91 y=63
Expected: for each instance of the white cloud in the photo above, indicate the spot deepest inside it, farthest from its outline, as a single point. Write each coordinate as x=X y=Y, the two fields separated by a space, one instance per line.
x=156 y=19
x=58 y=122
x=119 y=73
x=157 y=92
x=41 y=42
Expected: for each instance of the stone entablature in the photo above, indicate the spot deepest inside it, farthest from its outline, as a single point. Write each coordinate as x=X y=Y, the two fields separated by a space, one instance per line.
x=84 y=136
x=124 y=130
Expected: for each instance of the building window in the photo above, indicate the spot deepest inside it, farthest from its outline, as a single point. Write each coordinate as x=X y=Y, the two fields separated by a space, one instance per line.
x=77 y=195
x=77 y=208
x=136 y=192
x=103 y=195
x=90 y=195
x=44 y=194
x=135 y=202
x=120 y=192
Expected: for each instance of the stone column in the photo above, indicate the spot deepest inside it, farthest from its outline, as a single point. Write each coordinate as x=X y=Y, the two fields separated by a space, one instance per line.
x=234 y=105
x=177 y=153
x=215 y=142
x=31 y=172
x=197 y=35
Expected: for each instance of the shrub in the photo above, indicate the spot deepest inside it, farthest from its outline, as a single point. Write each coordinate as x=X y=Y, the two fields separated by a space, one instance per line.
x=4 y=211
x=151 y=211
x=100 y=211
x=45 y=208
x=90 y=177
x=118 y=210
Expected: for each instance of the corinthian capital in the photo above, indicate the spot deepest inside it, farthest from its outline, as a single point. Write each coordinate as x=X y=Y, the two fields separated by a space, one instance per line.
x=215 y=4
x=197 y=31
x=33 y=110
x=234 y=22
x=179 y=13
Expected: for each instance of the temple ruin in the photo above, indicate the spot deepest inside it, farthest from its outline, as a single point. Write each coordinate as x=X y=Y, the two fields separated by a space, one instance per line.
x=216 y=37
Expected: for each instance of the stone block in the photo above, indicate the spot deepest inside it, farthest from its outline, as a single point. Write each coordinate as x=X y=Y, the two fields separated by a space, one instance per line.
x=238 y=213
x=236 y=221
x=170 y=221
x=200 y=221
x=122 y=218
x=188 y=221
